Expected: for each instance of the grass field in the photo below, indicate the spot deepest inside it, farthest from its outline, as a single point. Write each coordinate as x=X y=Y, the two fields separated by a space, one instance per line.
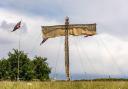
x=65 y=85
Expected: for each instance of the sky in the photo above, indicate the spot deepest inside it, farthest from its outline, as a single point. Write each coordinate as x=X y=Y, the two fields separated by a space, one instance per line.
x=104 y=53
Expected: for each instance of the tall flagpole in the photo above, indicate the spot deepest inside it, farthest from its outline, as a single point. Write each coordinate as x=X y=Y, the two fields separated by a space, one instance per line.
x=17 y=26
x=67 y=49
x=18 y=57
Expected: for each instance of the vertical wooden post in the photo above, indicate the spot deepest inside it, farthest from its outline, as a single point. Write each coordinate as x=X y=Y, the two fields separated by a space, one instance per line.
x=67 y=49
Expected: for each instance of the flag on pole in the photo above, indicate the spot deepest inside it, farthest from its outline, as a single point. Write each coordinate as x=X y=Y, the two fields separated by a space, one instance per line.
x=17 y=26
x=43 y=41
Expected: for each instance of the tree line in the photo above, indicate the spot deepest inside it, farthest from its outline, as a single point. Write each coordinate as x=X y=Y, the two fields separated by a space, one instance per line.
x=29 y=69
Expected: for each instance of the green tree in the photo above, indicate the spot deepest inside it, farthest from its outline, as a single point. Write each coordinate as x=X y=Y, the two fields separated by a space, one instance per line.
x=25 y=68
x=28 y=69
x=4 y=69
x=41 y=68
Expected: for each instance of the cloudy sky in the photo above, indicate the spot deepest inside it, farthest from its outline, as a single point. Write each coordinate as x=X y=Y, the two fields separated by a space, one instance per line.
x=104 y=53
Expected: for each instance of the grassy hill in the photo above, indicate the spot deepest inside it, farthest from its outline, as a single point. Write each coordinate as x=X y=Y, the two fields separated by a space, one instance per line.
x=64 y=85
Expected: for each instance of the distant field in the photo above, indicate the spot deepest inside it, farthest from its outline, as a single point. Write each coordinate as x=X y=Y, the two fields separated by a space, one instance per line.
x=64 y=85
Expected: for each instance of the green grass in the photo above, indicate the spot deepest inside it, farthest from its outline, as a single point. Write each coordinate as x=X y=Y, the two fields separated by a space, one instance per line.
x=64 y=85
